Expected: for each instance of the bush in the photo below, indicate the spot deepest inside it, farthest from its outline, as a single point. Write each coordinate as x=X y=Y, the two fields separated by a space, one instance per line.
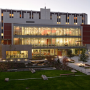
x=9 y=65
x=38 y=57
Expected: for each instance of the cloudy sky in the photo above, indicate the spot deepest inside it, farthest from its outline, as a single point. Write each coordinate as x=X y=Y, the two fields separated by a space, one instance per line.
x=73 y=6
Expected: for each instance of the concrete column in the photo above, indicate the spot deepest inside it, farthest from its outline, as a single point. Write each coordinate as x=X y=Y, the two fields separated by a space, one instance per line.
x=75 y=18
x=67 y=18
x=54 y=51
x=38 y=42
x=51 y=42
x=38 y=30
x=31 y=14
x=12 y=34
x=40 y=52
x=27 y=17
x=83 y=18
x=21 y=13
x=11 y=13
x=58 y=17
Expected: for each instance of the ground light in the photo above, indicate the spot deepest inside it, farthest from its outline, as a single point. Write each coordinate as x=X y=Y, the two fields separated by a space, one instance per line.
x=4 y=60
x=18 y=60
x=25 y=59
x=81 y=64
x=11 y=60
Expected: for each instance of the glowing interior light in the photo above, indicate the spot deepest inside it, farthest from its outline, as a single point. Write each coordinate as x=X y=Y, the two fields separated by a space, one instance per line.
x=11 y=60
x=18 y=60
x=25 y=59
x=60 y=41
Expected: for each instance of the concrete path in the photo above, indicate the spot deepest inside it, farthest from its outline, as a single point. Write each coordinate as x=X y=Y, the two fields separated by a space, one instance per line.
x=76 y=65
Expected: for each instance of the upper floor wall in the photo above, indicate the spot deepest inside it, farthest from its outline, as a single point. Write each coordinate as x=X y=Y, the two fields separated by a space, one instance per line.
x=42 y=15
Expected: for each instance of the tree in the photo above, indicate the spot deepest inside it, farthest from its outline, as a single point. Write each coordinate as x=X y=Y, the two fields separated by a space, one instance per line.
x=69 y=53
x=50 y=58
x=83 y=57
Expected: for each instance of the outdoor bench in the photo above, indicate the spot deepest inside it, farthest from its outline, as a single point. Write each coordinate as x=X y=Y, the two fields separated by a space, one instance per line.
x=87 y=66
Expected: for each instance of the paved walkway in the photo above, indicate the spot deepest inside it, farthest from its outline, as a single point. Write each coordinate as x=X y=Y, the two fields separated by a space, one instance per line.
x=76 y=65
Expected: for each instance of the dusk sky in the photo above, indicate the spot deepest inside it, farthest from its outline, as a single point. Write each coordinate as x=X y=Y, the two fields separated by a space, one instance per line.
x=72 y=6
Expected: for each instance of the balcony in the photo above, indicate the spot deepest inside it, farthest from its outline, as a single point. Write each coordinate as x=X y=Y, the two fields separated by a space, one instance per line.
x=44 y=36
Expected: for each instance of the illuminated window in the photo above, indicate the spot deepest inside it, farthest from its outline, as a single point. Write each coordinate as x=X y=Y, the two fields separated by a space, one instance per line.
x=1 y=34
x=10 y=15
x=59 y=17
x=66 y=22
x=2 y=41
x=82 y=23
x=17 y=54
x=83 y=18
x=75 y=17
x=57 y=23
x=1 y=27
x=2 y=14
x=76 y=23
x=67 y=17
x=20 y=15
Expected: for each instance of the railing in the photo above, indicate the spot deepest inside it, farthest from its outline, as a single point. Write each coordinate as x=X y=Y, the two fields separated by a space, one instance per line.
x=66 y=35
x=57 y=46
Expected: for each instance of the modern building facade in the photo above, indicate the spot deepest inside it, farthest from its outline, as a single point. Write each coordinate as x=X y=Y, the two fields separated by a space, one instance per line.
x=43 y=32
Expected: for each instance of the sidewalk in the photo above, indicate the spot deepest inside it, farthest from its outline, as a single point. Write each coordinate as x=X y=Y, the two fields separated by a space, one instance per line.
x=76 y=66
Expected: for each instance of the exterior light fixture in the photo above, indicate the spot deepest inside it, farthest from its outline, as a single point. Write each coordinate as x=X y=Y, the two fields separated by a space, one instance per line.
x=18 y=60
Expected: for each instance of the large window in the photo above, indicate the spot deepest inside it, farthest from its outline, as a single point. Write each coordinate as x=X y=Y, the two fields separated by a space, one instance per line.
x=16 y=54
x=42 y=52
x=58 y=31
x=48 y=41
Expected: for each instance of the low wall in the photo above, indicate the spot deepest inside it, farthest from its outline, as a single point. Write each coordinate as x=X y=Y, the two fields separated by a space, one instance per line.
x=16 y=48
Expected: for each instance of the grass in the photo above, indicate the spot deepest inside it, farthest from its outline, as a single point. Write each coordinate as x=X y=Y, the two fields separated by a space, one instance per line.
x=61 y=83
x=28 y=74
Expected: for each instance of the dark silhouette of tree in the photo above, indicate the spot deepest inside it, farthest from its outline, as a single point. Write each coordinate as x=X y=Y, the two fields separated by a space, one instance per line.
x=69 y=53
x=65 y=62
x=83 y=57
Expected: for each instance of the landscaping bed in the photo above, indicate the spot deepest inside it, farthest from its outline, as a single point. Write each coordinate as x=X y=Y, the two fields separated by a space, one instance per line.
x=4 y=66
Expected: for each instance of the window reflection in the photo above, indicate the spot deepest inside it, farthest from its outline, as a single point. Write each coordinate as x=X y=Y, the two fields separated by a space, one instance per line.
x=48 y=41
x=16 y=54
x=20 y=30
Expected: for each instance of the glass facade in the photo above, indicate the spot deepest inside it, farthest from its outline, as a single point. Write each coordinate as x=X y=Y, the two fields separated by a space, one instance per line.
x=47 y=52
x=44 y=31
x=16 y=54
x=62 y=36
x=48 y=41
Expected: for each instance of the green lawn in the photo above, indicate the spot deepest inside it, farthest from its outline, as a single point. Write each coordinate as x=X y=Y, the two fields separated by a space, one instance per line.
x=60 y=83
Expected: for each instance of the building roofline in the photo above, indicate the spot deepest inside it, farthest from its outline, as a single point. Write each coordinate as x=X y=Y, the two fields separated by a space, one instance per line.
x=42 y=8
